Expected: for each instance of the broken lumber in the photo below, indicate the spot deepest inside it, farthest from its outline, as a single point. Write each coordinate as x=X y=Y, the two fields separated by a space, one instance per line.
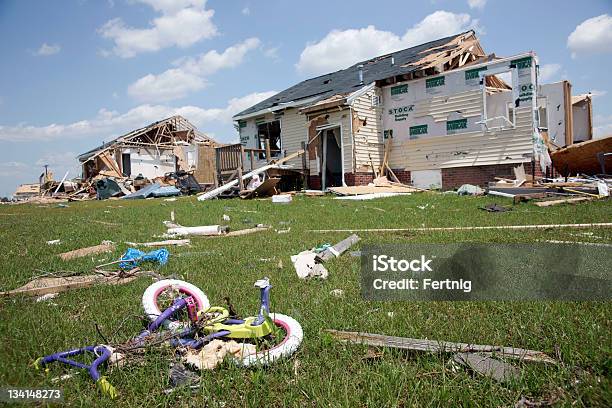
x=246 y=231
x=42 y=286
x=563 y=201
x=488 y=367
x=106 y=246
x=227 y=186
x=176 y=242
x=338 y=249
x=433 y=346
x=487 y=227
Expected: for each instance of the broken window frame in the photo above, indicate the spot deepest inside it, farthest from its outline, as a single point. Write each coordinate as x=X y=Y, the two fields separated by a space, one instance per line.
x=542 y=106
x=275 y=153
x=483 y=86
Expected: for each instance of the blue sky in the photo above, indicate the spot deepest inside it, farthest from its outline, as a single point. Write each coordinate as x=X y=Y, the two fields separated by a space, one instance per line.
x=75 y=73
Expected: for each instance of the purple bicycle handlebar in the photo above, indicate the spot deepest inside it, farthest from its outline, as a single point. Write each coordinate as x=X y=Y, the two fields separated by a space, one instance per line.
x=92 y=369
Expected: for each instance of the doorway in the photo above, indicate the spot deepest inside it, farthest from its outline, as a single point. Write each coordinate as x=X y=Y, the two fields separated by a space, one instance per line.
x=331 y=158
x=126 y=164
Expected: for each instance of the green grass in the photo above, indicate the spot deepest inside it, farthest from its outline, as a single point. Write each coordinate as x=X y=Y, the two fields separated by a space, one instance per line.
x=322 y=372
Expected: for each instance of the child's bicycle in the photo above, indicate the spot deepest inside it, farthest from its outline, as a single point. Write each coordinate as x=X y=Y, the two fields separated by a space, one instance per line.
x=203 y=324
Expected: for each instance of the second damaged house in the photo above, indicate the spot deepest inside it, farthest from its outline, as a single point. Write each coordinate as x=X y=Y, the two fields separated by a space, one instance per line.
x=440 y=114
x=163 y=153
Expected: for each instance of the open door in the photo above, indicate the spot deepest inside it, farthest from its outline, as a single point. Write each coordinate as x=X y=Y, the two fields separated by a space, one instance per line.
x=331 y=158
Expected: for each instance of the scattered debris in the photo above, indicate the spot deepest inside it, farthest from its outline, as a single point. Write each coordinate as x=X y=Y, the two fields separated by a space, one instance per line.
x=43 y=286
x=575 y=200
x=179 y=376
x=212 y=354
x=46 y=297
x=54 y=242
x=105 y=246
x=469 y=189
x=337 y=293
x=488 y=366
x=226 y=217
x=133 y=257
x=309 y=264
x=282 y=198
x=175 y=242
x=370 y=196
x=178 y=231
x=436 y=346
x=360 y=190
x=495 y=208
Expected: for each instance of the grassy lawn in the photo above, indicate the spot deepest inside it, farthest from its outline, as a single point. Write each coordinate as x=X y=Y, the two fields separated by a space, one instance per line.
x=322 y=372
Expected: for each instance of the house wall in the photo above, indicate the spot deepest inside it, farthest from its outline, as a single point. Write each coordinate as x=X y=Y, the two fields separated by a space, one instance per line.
x=149 y=163
x=368 y=138
x=436 y=121
x=555 y=110
x=581 y=121
x=294 y=131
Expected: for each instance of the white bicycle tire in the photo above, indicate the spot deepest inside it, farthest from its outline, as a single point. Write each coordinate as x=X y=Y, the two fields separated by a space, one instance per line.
x=149 y=299
x=289 y=345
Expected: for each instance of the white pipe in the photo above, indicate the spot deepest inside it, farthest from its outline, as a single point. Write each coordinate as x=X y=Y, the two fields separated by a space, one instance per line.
x=201 y=230
x=60 y=184
x=500 y=194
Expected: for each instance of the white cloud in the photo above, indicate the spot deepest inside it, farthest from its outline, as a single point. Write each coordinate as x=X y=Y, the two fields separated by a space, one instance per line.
x=47 y=49
x=272 y=53
x=246 y=11
x=171 y=84
x=477 y=4
x=59 y=159
x=596 y=93
x=592 y=36
x=340 y=49
x=602 y=125
x=12 y=168
x=108 y=123
x=182 y=23
x=549 y=71
x=189 y=74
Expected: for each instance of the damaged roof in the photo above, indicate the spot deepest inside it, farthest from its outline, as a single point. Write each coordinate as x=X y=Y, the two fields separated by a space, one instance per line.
x=346 y=81
x=180 y=122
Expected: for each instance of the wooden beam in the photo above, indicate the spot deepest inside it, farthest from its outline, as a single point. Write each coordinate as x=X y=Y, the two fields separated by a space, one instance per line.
x=438 y=346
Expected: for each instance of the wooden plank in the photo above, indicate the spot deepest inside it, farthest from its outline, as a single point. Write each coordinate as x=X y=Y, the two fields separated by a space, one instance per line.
x=563 y=201
x=435 y=346
x=43 y=286
x=93 y=250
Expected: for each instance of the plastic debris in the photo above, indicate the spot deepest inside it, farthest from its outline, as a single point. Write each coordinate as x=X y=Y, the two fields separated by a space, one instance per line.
x=46 y=297
x=281 y=199
x=133 y=257
x=469 y=189
x=337 y=293
x=54 y=242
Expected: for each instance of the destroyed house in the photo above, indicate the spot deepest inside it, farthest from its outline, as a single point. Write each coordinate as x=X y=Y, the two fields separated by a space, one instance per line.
x=162 y=147
x=439 y=114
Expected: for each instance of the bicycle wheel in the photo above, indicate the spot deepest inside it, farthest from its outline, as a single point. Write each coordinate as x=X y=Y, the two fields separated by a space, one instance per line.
x=151 y=296
x=293 y=338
